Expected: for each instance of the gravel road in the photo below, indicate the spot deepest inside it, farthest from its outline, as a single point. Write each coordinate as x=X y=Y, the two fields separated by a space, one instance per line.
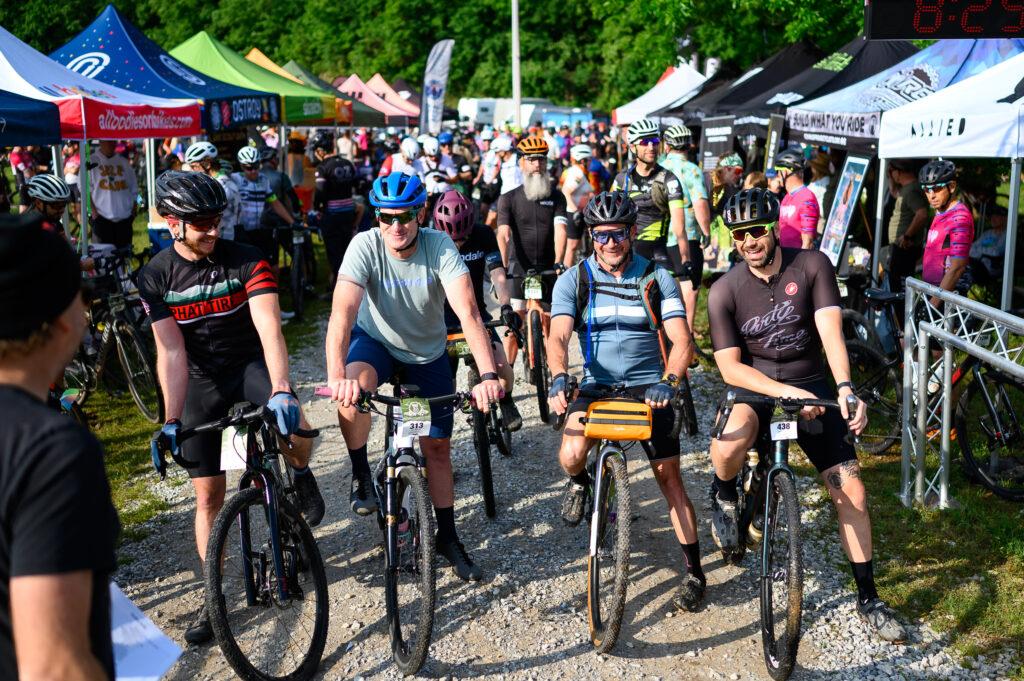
x=527 y=619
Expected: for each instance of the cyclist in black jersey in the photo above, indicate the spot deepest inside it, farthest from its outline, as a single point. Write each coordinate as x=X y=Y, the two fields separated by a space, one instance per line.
x=453 y=214
x=770 y=318
x=335 y=180
x=216 y=320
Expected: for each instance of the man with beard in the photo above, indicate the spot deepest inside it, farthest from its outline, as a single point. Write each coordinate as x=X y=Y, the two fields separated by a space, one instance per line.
x=621 y=346
x=217 y=325
x=532 y=221
x=770 y=318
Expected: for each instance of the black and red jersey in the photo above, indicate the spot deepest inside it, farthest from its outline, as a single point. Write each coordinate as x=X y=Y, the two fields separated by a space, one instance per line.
x=209 y=300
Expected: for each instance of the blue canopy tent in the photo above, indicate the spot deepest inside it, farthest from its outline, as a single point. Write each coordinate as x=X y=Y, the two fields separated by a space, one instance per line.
x=27 y=121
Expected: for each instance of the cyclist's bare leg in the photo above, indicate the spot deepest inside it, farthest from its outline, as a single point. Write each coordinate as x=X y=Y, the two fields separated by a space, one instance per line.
x=355 y=427
x=509 y=342
x=689 y=301
x=850 y=498
x=729 y=452
x=572 y=455
x=438 y=453
x=297 y=449
x=545 y=322
x=684 y=520
x=504 y=368
x=209 y=500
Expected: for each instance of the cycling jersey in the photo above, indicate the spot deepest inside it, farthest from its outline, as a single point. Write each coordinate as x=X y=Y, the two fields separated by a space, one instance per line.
x=479 y=253
x=578 y=181
x=949 y=236
x=693 y=190
x=232 y=215
x=651 y=223
x=436 y=172
x=772 y=323
x=255 y=196
x=623 y=346
x=798 y=215
x=209 y=299
x=335 y=178
x=396 y=163
x=532 y=223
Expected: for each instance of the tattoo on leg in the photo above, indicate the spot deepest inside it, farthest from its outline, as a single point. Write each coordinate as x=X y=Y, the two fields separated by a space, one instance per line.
x=851 y=469
x=846 y=471
x=834 y=479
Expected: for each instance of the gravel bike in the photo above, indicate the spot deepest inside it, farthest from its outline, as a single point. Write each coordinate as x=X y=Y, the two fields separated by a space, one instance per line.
x=614 y=418
x=266 y=588
x=302 y=274
x=406 y=516
x=488 y=428
x=535 y=358
x=769 y=515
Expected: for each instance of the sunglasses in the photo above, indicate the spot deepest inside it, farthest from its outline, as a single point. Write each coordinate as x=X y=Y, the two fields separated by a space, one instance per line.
x=403 y=217
x=931 y=188
x=57 y=207
x=755 y=232
x=649 y=141
x=204 y=225
x=604 y=236
x=780 y=169
x=250 y=166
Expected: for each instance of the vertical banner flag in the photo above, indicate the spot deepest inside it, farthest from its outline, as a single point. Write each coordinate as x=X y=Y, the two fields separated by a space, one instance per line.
x=776 y=122
x=715 y=140
x=435 y=82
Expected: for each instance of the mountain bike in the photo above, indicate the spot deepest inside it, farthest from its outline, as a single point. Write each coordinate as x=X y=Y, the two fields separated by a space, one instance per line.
x=302 y=274
x=614 y=418
x=266 y=588
x=488 y=428
x=406 y=516
x=535 y=359
x=769 y=515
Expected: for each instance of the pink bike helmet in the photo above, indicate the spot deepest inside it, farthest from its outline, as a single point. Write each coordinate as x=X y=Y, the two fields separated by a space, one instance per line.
x=453 y=213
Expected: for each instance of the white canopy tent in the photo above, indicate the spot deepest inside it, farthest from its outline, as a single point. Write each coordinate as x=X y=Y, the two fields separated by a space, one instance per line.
x=982 y=116
x=683 y=81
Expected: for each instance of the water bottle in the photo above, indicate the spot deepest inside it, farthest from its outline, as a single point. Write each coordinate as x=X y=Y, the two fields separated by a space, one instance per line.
x=755 y=474
x=751 y=470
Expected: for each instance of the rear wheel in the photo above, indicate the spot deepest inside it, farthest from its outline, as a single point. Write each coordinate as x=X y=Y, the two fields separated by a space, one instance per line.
x=782 y=588
x=878 y=384
x=608 y=561
x=540 y=364
x=857 y=327
x=991 y=440
x=139 y=372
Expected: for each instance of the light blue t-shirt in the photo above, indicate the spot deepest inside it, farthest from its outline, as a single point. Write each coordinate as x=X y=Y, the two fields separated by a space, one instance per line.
x=693 y=190
x=403 y=300
x=623 y=347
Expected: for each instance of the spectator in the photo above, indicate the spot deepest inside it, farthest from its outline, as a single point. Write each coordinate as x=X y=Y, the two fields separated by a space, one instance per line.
x=115 y=191
x=725 y=180
x=347 y=147
x=909 y=221
x=72 y=164
x=170 y=162
x=24 y=166
x=774 y=181
x=988 y=252
x=58 y=527
x=756 y=180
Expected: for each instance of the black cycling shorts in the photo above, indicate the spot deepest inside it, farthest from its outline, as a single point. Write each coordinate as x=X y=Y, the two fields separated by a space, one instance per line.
x=655 y=251
x=823 y=439
x=575 y=226
x=660 y=446
x=208 y=399
x=262 y=239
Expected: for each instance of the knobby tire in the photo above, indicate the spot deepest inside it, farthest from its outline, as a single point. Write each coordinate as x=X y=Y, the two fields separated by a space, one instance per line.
x=984 y=459
x=782 y=590
x=606 y=601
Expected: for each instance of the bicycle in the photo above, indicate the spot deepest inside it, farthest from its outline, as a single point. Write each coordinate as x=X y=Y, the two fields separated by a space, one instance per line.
x=488 y=428
x=613 y=418
x=535 y=361
x=302 y=273
x=769 y=515
x=266 y=595
x=406 y=515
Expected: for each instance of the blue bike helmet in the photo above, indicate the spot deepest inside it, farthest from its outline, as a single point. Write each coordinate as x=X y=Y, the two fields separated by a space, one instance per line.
x=445 y=138
x=398 y=190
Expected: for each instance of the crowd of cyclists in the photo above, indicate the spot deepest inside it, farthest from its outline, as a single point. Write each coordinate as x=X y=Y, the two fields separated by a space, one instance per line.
x=604 y=232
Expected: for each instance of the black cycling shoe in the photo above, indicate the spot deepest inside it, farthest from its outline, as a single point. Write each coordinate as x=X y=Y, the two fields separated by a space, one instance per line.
x=574 y=503
x=201 y=631
x=690 y=593
x=510 y=415
x=311 y=503
x=361 y=498
x=462 y=565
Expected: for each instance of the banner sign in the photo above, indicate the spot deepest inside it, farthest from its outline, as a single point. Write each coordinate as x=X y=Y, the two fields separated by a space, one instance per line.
x=435 y=83
x=847 y=198
x=103 y=121
x=715 y=139
x=776 y=123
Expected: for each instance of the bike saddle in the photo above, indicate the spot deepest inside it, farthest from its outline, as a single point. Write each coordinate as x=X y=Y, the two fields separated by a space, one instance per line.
x=409 y=390
x=880 y=297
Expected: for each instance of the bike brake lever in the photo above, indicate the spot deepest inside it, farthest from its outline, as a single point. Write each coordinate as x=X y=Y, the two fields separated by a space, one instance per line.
x=851 y=410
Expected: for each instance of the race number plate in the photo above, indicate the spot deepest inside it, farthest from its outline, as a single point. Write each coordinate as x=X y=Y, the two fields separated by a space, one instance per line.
x=843 y=291
x=783 y=430
x=232 y=449
x=462 y=349
x=415 y=418
x=532 y=288
x=117 y=303
x=299 y=238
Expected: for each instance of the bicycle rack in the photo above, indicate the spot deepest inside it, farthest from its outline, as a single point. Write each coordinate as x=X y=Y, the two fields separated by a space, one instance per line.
x=963 y=324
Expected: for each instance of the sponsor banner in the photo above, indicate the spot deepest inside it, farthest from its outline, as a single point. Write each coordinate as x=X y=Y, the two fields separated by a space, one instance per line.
x=435 y=83
x=716 y=137
x=239 y=112
x=111 y=121
x=861 y=125
x=308 y=109
x=775 y=125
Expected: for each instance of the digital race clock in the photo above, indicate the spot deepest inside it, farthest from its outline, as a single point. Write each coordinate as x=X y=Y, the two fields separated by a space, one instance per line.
x=935 y=19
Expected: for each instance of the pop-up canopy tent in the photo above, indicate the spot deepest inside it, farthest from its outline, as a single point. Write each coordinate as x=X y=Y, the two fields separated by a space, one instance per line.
x=982 y=117
x=677 y=81
x=354 y=87
x=303 y=105
x=90 y=109
x=113 y=50
x=27 y=121
x=357 y=113
x=850 y=118
x=342 y=108
x=383 y=90
x=855 y=61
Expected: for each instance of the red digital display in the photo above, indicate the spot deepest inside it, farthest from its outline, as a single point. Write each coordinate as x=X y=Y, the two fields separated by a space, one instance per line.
x=937 y=19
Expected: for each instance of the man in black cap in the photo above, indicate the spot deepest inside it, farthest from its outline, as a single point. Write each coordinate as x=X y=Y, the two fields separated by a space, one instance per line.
x=58 y=527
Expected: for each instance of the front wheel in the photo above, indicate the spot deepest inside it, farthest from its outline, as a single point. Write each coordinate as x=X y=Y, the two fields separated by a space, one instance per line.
x=539 y=363
x=502 y=436
x=139 y=372
x=782 y=582
x=482 y=443
x=264 y=636
x=608 y=559
x=991 y=439
x=410 y=573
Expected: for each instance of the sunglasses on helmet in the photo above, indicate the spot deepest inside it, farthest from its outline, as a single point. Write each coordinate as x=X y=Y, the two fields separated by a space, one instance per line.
x=934 y=187
x=754 y=231
x=404 y=217
x=606 y=235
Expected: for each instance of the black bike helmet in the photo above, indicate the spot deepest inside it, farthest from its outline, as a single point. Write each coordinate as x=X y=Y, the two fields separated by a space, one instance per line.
x=750 y=206
x=790 y=158
x=321 y=140
x=267 y=154
x=391 y=146
x=937 y=171
x=189 y=195
x=610 y=208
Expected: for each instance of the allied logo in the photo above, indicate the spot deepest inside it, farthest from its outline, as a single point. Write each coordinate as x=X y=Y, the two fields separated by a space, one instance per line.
x=89 y=64
x=791 y=288
x=177 y=69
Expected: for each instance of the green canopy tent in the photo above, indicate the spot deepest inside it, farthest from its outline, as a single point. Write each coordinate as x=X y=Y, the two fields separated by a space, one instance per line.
x=303 y=105
x=361 y=114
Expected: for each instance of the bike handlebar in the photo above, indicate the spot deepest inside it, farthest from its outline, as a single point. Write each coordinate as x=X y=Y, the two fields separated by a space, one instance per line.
x=790 y=405
x=558 y=420
x=363 y=403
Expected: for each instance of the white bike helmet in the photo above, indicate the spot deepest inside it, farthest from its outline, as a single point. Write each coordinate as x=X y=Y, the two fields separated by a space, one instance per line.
x=200 y=150
x=581 y=152
x=641 y=129
x=410 y=148
x=248 y=155
x=431 y=146
x=678 y=136
x=48 y=189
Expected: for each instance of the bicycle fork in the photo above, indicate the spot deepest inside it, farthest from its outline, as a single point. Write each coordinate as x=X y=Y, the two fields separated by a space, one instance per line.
x=595 y=518
x=998 y=428
x=252 y=589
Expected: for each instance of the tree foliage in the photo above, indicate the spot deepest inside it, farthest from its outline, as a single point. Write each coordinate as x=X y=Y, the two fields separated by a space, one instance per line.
x=602 y=52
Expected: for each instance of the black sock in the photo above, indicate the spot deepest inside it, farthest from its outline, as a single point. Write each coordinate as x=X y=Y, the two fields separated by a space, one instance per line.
x=864 y=575
x=582 y=478
x=691 y=558
x=357 y=455
x=300 y=471
x=507 y=399
x=726 y=489
x=445 y=524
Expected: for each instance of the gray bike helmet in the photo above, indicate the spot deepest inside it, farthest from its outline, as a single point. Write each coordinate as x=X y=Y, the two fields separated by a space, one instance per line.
x=48 y=189
x=750 y=206
x=790 y=158
x=610 y=208
x=937 y=171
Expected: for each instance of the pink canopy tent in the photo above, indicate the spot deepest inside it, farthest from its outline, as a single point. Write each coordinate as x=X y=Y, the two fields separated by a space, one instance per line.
x=354 y=87
x=382 y=89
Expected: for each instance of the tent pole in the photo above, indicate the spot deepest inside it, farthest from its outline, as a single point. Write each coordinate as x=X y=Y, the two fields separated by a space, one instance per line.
x=83 y=182
x=282 y=148
x=150 y=179
x=1011 y=233
x=883 y=167
x=58 y=167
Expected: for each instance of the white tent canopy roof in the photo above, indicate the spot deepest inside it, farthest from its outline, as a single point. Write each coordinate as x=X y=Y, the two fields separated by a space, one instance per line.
x=981 y=116
x=679 y=83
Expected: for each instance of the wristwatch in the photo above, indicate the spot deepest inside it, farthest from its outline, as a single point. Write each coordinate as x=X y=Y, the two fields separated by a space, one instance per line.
x=671 y=379
x=491 y=376
x=846 y=384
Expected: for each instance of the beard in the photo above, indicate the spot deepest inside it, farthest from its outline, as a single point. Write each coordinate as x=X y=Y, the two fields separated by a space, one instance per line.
x=198 y=246
x=536 y=186
x=763 y=258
